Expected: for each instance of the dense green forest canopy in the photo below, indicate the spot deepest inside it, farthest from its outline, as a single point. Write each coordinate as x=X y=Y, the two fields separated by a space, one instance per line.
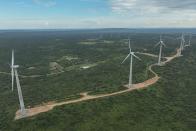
x=91 y=62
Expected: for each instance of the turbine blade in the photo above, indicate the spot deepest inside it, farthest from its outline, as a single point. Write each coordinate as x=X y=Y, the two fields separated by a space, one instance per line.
x=129 y=44
x=163 y=44
x=12 y=72
x=135 y=56
x=183 y=38
x=126 y=58
x=157 y=44
x=12 y=62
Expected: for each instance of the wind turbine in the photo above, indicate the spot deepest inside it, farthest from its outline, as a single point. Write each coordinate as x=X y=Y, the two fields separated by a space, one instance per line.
x=131 y=55
x=14 y=72
x=161 y=43
x=182 y=44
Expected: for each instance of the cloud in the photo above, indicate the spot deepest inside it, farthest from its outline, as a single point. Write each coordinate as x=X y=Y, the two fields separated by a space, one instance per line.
x=98 y=22
x=156 y=13
x=151 y=6
x=46 y=3
x=176 y=4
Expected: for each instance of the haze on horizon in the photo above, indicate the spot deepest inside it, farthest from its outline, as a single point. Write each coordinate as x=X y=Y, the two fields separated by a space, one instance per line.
x=55 y=14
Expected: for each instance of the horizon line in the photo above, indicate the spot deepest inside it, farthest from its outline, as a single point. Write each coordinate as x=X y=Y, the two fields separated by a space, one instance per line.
x=98 y=28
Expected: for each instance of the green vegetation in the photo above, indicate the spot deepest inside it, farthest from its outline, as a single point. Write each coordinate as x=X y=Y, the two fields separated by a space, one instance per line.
x=166 y=106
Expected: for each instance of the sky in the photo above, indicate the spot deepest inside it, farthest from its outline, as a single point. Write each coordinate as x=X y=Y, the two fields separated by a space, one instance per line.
x=66 y=14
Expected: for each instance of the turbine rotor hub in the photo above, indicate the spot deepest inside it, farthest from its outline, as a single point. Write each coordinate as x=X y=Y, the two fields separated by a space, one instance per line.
x=15 y=66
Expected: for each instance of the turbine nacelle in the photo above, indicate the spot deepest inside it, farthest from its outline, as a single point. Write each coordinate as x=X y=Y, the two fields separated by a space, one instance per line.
x=15 y=66
x=161 y=43
x=131 y=54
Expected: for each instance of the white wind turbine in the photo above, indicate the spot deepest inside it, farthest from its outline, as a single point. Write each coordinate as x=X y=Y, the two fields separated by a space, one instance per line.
x=180 y=50
x=182 y=44
x=14 y=72
x=161 y=43
x=131 y=55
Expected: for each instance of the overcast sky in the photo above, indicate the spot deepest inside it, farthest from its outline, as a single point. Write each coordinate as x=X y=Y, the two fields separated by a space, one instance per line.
x=51 y=14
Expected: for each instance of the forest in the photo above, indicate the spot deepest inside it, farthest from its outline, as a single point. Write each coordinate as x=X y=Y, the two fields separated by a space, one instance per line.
x=91 y=62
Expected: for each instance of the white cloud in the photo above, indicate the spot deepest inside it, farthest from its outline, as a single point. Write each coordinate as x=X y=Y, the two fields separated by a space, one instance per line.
x=101 y=22
x=152 y=6
x=156 y=13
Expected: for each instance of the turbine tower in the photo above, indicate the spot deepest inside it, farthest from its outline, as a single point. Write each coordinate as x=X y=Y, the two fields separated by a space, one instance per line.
x=161 y=43
x=14 y=72
x=131 y=55
x=181 y=48
x=190 y=37
x=182 y=44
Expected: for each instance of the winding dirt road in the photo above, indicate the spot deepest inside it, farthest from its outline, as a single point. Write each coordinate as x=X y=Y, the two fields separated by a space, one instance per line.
x=49 y=106
x=147 y=54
